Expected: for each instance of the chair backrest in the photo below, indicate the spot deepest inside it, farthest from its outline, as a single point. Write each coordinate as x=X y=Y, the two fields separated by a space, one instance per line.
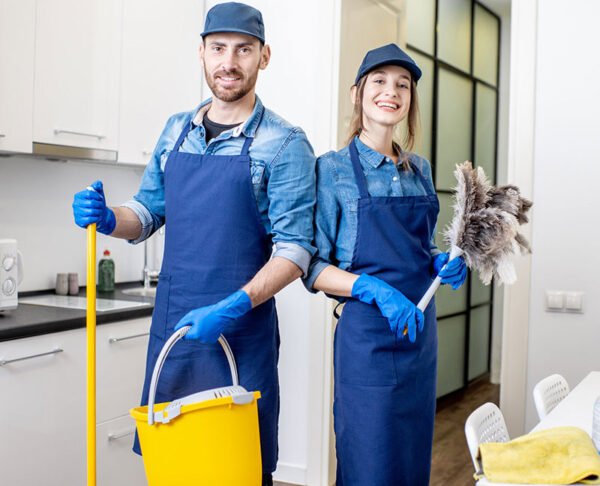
x=548 y=393
x=485 y=424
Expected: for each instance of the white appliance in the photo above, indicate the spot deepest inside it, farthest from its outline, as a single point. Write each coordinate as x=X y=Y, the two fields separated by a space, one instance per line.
x=11 y=274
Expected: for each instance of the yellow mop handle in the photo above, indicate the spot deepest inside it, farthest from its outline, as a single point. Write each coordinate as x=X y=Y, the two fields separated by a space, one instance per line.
x=91 y=354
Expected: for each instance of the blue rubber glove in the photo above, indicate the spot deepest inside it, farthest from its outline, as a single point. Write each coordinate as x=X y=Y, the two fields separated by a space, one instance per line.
x=454 y=274
x=90 y=207
x=392 y=303
x=209 y=322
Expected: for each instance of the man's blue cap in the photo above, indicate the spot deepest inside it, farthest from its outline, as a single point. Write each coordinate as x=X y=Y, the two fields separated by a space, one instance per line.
x=388 y=55
x=234 y=17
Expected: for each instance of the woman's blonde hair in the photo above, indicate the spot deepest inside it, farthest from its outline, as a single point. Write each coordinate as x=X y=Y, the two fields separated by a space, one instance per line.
x=413 y=124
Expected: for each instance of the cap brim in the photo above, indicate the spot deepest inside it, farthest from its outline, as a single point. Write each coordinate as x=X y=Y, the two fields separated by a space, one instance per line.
x=237 y=31
x=413 y=69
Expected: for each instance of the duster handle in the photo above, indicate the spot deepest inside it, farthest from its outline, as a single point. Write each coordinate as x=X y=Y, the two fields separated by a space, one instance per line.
x=455 y=252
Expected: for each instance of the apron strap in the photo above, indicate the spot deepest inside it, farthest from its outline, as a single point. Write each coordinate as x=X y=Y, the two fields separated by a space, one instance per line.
x=422 y=179
x=182 y=135
x=359 y=175
x=246 y=147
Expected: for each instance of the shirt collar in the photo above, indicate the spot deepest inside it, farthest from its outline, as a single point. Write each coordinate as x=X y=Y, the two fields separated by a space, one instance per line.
x=373 y=158
x=248 y=128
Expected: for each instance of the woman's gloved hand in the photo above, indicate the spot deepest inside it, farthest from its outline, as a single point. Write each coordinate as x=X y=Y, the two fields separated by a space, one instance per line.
x=89 y=206
x=209 y=322
x=392 y=303
x=455 y=272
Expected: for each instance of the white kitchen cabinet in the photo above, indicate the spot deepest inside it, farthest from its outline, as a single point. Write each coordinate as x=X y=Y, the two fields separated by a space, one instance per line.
x=117 y=465
x=77 y=69
x=17 y=27
x=43 y=406
x=121 y=361
x=42 y=410
x=160 y=70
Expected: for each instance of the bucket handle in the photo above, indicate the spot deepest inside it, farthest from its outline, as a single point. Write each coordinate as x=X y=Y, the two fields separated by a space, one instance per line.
x=176 y=336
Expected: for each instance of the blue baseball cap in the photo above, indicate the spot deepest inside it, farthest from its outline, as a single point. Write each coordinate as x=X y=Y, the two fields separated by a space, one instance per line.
x=387 y=55
x=234 y=17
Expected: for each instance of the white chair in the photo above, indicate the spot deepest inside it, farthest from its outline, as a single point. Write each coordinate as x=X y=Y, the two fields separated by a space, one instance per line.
x=485 y=424
x=548 y=393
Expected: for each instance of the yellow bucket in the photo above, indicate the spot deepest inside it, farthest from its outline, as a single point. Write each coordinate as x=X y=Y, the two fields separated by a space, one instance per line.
x=210 y=438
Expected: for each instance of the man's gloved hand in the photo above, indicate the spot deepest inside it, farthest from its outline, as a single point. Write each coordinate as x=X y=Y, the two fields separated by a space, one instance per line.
x=210 y=321
x=90 y=207
x=454 y=274
x=392 y=303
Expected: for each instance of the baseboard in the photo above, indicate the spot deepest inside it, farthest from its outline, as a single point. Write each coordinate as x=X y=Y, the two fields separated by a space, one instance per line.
x=290 y=473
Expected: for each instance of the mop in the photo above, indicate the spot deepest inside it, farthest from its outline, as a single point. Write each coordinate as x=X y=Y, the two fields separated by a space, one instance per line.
x=485 y=228
x=91 y=354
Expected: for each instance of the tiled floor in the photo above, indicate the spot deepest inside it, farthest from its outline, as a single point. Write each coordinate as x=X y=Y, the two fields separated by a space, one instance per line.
x=451 y=462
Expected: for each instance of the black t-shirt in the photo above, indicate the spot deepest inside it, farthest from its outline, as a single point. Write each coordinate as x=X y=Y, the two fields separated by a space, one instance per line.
x=214 y=129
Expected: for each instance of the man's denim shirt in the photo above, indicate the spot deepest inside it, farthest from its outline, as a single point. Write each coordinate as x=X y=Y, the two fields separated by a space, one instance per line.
x=282 y=169
x=336 y=213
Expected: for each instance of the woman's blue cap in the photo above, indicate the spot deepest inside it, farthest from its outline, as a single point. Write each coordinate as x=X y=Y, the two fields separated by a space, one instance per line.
x=388 y=55
x=234 y=17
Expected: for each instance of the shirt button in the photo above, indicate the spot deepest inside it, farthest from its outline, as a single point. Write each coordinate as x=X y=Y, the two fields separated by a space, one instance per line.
x=395 y=178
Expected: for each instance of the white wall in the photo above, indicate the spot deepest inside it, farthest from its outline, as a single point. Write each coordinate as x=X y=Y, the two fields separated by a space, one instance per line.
x=566 y=193
x=35 y=208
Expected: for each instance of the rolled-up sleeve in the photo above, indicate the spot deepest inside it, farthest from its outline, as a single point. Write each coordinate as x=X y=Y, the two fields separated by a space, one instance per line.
x=149 y=202
x=291 y=193
x=326 y=221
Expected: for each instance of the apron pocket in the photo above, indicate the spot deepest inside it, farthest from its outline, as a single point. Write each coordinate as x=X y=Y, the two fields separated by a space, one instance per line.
x=364 y=348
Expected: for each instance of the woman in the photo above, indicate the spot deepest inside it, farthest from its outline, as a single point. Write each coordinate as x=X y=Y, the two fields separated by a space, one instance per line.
x=375 y=218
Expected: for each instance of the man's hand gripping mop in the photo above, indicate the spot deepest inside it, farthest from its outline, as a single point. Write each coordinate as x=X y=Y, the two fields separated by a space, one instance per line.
x=485 y=227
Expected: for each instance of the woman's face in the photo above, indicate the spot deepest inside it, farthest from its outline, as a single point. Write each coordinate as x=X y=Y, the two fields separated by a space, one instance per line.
x=386 y=96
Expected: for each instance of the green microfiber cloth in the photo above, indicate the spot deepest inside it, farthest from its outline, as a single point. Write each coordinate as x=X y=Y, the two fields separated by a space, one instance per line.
x=561 y=455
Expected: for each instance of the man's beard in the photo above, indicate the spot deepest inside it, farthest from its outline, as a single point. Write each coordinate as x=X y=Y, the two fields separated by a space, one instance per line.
x=231 y=95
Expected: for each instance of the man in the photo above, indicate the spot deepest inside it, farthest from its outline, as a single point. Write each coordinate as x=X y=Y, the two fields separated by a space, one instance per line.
x=230 y=179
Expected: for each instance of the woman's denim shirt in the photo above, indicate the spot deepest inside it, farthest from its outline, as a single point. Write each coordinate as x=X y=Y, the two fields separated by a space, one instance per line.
x=337 y=201
x=282 y=167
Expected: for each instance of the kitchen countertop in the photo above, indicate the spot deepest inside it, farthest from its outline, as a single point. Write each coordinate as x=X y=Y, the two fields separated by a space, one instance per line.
x=29 y=320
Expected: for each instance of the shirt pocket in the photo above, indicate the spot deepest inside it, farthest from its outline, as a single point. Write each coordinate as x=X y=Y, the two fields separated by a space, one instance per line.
x=257 y=171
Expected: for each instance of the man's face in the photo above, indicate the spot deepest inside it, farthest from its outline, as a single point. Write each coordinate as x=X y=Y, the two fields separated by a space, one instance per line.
x=231 y=63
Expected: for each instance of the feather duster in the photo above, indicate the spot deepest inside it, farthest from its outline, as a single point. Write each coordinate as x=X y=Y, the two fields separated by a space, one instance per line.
x=485 y=227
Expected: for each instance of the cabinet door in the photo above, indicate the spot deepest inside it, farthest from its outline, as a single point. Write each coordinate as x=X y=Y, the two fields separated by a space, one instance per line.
x=17 y=24
x=121 y=362
x=117 y=464
x=77 y=69
x=42 y=410
x=161 y=73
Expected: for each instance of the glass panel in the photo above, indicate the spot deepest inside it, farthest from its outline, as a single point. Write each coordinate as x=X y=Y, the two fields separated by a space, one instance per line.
x=485 y=131
x=454 y=126
x=485 y=55
x=425 y=89
x=451 y=354
x=479 y=293
x=420 y=20
x=447 y=301
x=454 y=33
x=479 y=341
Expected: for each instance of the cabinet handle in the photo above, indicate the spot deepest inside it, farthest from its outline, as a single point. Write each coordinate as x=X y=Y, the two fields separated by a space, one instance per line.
x=127 y=433
x=58 y=131
x=2 y=135
x=8 y=361
x=125 y=338
x=146 y=152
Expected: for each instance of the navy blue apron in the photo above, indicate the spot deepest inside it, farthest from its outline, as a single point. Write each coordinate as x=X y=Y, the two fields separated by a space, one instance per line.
x=384 y=401
x=215 y=244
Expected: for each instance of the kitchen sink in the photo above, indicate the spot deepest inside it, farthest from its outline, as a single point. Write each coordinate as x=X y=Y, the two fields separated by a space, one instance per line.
x=141 y=291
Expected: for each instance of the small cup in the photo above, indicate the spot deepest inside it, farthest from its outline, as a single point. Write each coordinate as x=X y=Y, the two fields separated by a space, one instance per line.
x=62 y=283
x=73 y=284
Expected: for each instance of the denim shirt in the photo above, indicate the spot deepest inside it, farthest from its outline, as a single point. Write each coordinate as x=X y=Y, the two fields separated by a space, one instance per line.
x=282 y=168
x=336 y=212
